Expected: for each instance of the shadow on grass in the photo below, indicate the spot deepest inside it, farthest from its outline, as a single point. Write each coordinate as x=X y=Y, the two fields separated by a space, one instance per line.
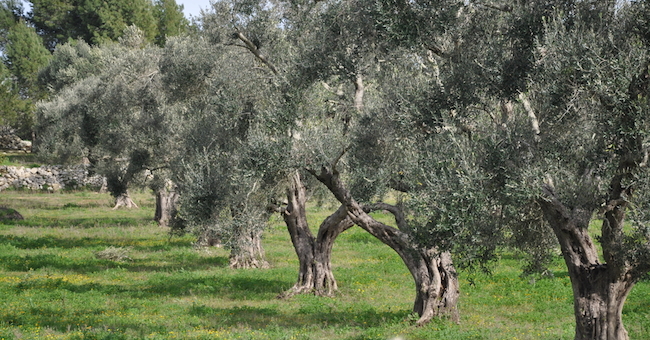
x=55 y=318
x=259 y=318
x=80 y=222
x=22 y=242
x=236 y=288
x=71 y=207
x=91 y=265
x=249 y=317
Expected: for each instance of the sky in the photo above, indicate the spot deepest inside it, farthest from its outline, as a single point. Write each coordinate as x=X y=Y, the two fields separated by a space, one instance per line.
x=193 y=7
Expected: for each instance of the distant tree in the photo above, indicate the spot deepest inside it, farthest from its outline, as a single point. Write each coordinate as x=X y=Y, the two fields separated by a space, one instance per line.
x=108 y=108
x=171 y=21
x=23 y=55
x=14 y=111
x=99 y=22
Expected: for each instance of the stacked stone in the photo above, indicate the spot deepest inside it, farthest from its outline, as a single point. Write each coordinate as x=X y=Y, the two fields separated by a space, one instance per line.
x=50 y=178
x=9 y=141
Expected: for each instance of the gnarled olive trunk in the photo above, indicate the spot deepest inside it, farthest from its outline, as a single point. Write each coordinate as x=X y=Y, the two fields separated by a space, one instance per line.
x=248 y=252
x=166 y=204
x=436 y=280
x=599 y=289
x=123 y=200
x=437 y=288
x=314 y=253
x=598 y=300
x=117 y=183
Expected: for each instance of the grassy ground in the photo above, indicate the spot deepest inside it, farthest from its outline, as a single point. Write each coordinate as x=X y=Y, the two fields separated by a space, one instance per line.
x=18 y=158
x=54 y=286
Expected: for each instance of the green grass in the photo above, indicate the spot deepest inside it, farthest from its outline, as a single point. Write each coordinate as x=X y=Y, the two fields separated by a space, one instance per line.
x=18 y=159
x=53 y=285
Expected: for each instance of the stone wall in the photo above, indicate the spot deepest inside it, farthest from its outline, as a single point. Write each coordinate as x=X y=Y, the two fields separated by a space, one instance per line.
x=9 y=141
x=14 y=143
x=49 y=178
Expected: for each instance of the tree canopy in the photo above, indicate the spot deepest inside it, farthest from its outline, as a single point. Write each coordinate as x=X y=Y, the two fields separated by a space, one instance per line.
x=27 y=40
x=98 y=22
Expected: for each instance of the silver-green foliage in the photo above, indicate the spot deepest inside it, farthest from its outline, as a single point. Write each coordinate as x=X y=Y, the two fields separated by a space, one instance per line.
x=109 y=107
x=230 y=162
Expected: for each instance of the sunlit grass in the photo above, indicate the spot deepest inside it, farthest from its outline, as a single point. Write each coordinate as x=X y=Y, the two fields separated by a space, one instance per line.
x=54 y=286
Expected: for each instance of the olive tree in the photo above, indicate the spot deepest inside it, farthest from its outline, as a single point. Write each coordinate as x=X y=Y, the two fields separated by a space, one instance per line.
x=346 y=43
x=226 y=173
x=571 y=145
x=589 y=95
x=107 y=107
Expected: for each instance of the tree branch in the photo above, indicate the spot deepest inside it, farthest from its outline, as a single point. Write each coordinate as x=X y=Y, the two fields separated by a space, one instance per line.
x=400 y=220
x=251 y=47
x=359 y=90
x=613 y=204
x=435 y=49
x=531 y=115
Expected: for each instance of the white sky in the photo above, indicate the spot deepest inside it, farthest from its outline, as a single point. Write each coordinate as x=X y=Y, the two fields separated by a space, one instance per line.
x=193 y=7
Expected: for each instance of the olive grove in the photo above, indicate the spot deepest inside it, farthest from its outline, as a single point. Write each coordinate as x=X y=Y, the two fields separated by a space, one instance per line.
x=490 y=125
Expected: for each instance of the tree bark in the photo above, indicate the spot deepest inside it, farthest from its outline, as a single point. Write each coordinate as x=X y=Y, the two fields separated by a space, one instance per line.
x=166 y=204
x=248 y=253
x=599 y=289
x=124 y=200
x=436 y=280
x=314 y=253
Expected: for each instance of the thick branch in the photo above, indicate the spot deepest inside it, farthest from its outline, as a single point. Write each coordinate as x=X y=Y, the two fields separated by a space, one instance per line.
x=534 y=122
x=251 y=47
x=400 y=220
x=359 y=90
x=435 y=49
x=315 y=273
x=571 y=229
x=435 y=278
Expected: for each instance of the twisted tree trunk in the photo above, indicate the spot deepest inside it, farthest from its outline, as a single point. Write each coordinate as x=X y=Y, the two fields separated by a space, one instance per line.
x=117 y=183
x=599 y=289
x=436 y=280
x=314 y=253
